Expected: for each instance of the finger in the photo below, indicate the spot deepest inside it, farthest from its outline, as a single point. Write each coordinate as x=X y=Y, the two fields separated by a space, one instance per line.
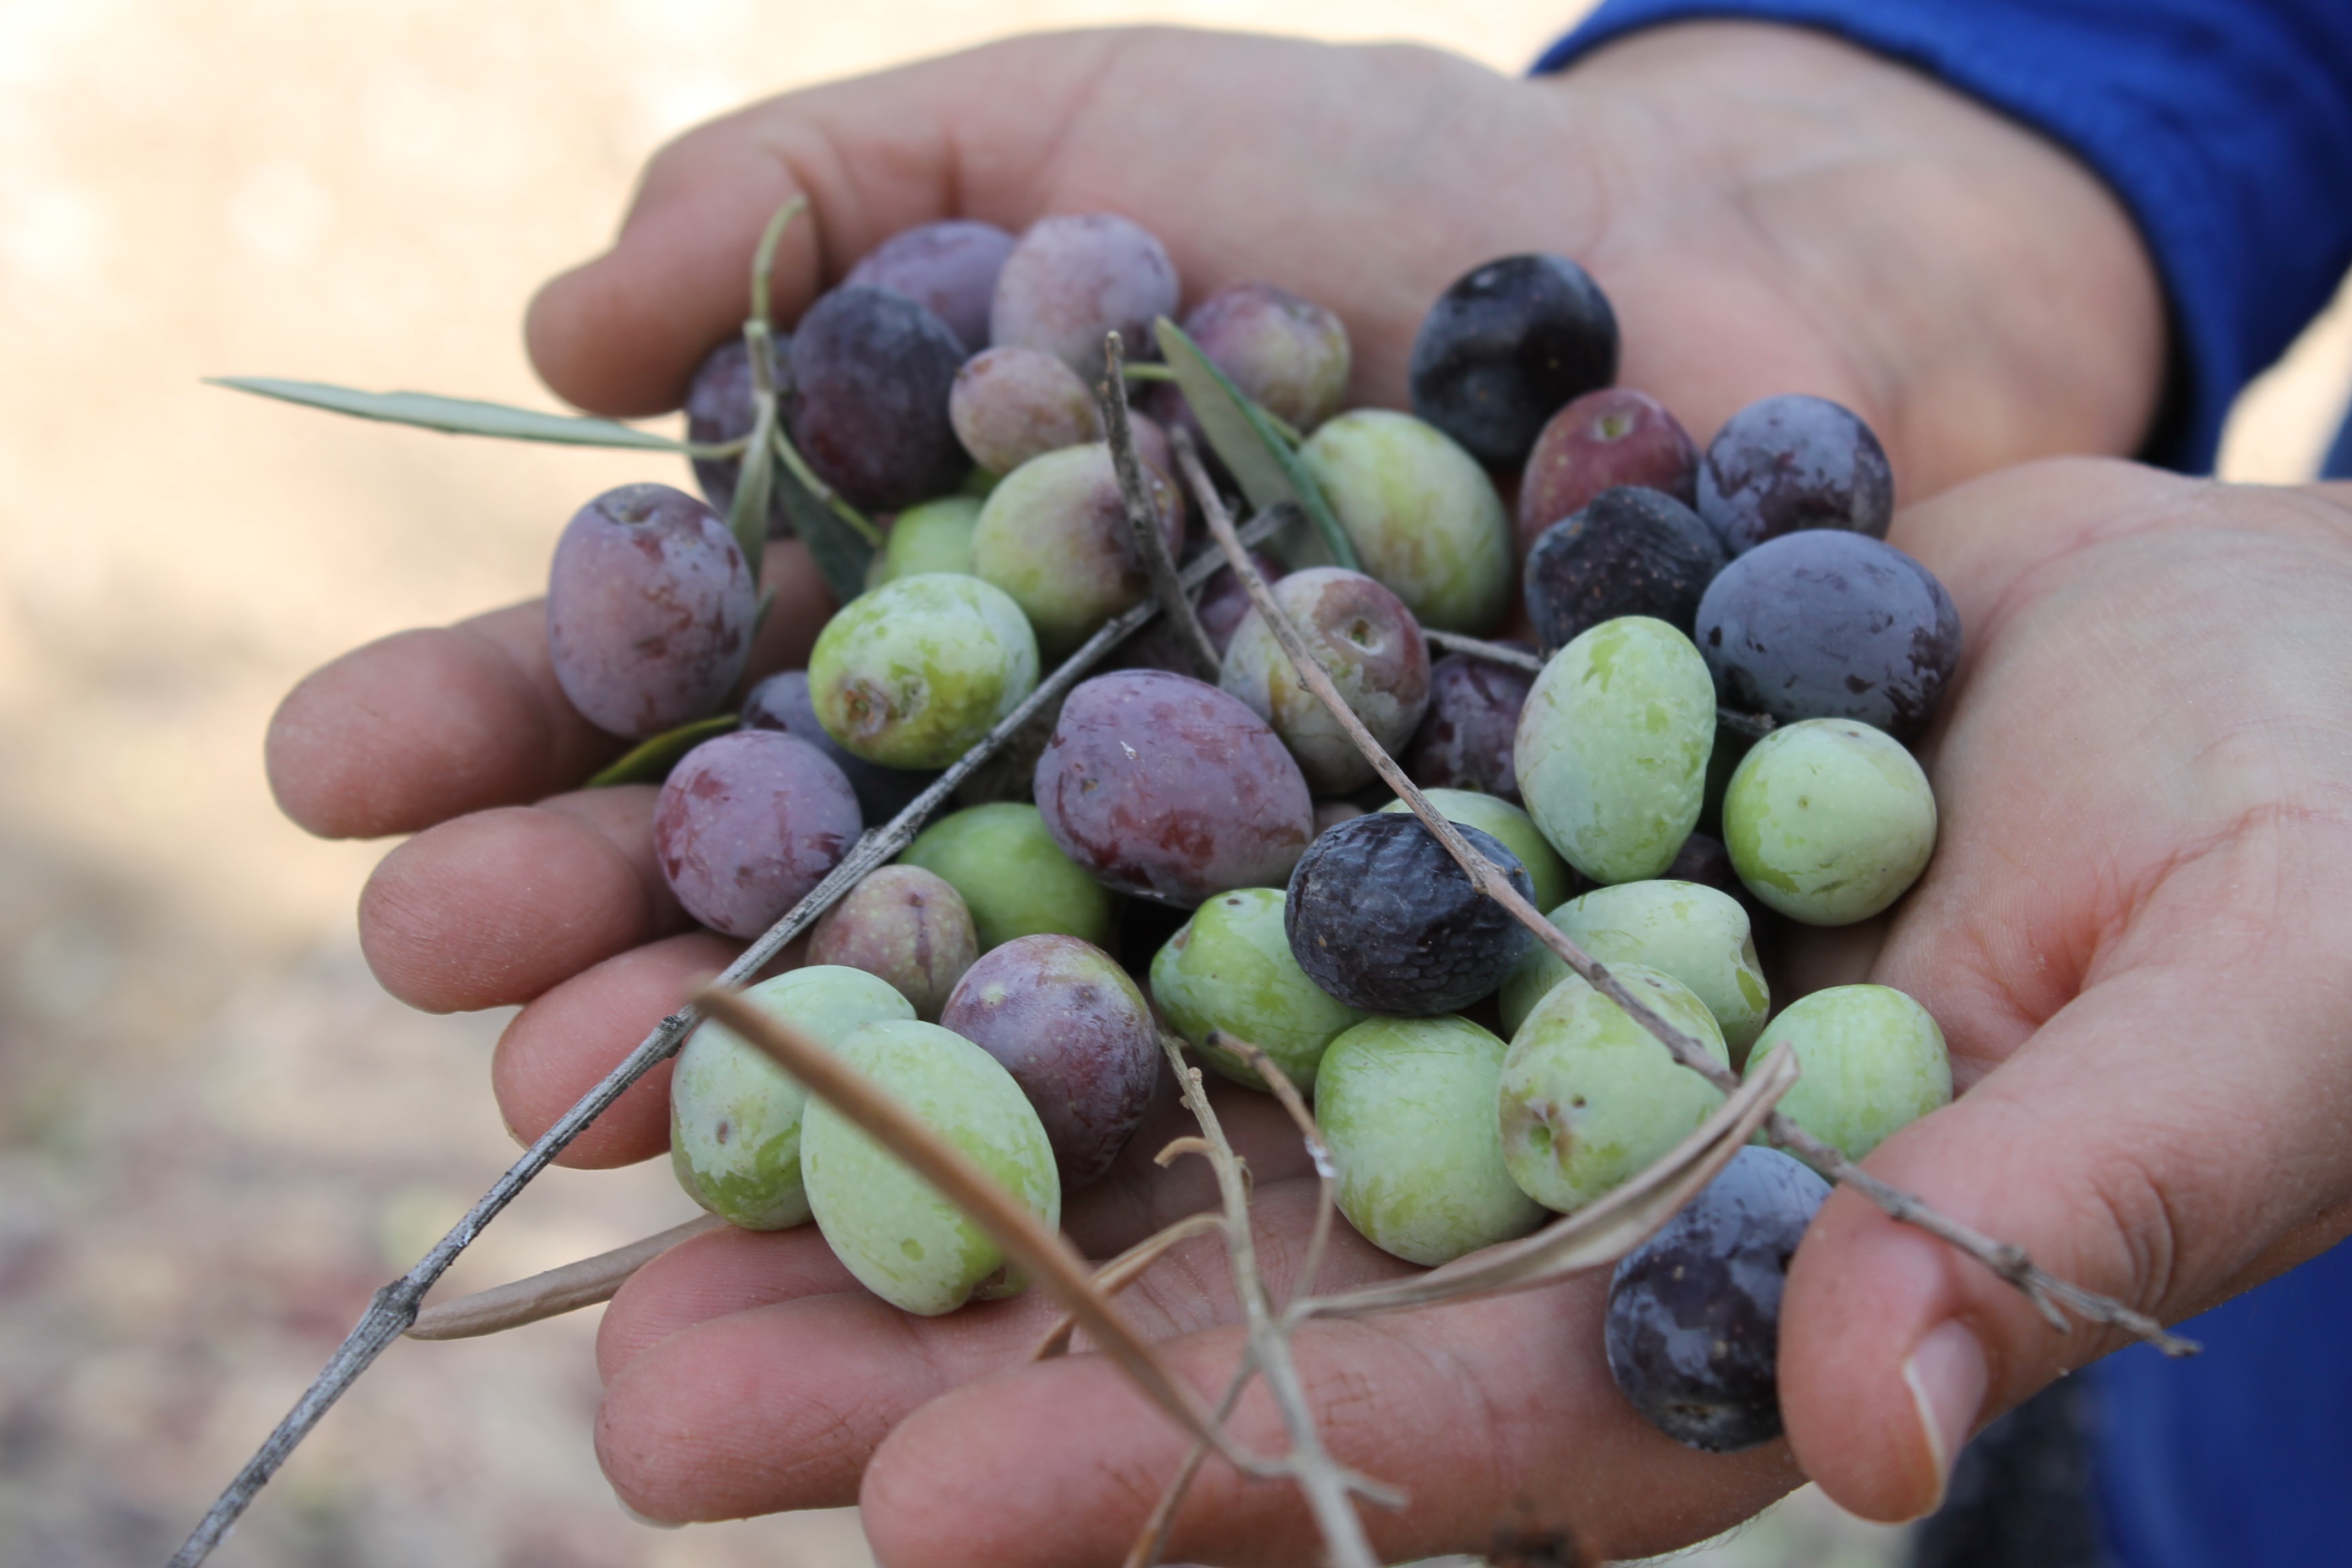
x=423 y=726
x=2119 y=1157
x=1498 y=1414
x=712 y=1276
x=732 y=1272
x=494 y=908
x=781 y=1407
x=560 y=1045
x=620 y=334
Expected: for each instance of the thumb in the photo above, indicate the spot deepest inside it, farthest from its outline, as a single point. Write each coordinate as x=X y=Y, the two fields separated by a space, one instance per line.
x=620 y=334
x=2168 y=1139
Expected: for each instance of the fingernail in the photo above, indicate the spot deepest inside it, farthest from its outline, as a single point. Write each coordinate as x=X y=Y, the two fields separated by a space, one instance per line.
x=1946 y=1374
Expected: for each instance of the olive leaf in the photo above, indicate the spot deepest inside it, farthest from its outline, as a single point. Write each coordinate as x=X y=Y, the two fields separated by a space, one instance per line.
x=839 y=539
x=649 y=762
x=747 y=516
x=1245 y=437
x=452 y=415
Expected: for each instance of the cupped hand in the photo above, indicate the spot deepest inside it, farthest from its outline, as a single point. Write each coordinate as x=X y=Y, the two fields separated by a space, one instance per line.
x=2131 y=934
x=2134 y=938
x=1770 y=210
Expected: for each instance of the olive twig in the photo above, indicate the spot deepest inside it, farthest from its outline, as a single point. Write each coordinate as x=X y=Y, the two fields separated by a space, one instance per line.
x=1479 y=648
x=1125 y=1269
x=558 y=1290
x=394 y=1307
x=1145 y=536
x=2048 y=1293
x=1048 y=1259
x=1151 y=1540
x=1326 y=1176
x=1330 y=1488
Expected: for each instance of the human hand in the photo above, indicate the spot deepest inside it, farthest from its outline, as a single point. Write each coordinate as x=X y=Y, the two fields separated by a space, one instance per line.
x=1770 y=210
x=2127 y=934
x=2132 y=937
x=1733 y=226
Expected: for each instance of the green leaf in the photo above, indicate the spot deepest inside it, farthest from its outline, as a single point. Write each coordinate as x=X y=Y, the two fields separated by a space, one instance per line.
x=747 y=518
x=1260 y=460
x=842 y=553
x=650 y=761
x=455 y=415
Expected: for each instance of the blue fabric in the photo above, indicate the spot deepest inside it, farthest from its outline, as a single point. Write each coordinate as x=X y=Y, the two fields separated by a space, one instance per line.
x=2338 y=464
x=2225 y=126
x=2240 y=1457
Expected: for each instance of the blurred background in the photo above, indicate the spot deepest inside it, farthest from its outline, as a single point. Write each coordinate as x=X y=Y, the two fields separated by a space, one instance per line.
x=217 y=1136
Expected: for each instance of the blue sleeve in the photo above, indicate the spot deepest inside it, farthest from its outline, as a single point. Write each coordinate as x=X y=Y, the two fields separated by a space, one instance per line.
x=2225 y=126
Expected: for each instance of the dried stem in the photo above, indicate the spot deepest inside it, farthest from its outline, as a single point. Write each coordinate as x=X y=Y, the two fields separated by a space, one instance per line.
x=1479 y=648
x=1152 y=1540
x=1596 y=1234
x=1327 y=1175
x=1755 y=726
x=2045 y=1290
x=1128 y=1268
x=1048 y=1259
x=1145 y=536
x=565 y=1289
x=1328 y=1487
x=394 y=1306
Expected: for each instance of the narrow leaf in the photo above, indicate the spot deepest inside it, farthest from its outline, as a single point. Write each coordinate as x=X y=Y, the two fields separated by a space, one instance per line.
x=1253 y=451
x=454 y=415
x=842 y=554
x=650 y=761
x=1598 y=1235
x=747 y=518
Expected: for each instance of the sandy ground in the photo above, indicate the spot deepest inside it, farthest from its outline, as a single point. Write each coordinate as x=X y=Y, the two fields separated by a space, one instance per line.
x=217 y=1136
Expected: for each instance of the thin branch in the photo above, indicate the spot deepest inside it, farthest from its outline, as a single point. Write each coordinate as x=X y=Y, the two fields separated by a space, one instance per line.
x=1327 y=1175
x=1479 y=648
x=1328 y=1487
x=1128 y=1268
x=1755 y=726
x=556 y=1291
x=1145 y=536
x=1042 y=1253
x=2010 y=1262
x=1151 y=1541
x=394 y=1307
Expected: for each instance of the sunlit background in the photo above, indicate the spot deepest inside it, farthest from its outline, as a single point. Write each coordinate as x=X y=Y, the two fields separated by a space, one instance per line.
x=217 y=1136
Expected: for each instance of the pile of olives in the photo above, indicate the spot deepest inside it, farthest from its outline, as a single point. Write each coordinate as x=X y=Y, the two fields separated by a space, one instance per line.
x=1209 y=859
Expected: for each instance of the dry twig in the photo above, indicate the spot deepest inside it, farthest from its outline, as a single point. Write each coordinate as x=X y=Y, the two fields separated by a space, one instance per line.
x=1127 y=1269
x=1144 y=535
x=1479 y=648
x=1329 y=1488
x=559 y=1290
x=1326 y=1176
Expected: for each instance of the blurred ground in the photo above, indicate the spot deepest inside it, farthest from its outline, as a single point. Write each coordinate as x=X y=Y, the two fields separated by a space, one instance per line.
x=215 y=1135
